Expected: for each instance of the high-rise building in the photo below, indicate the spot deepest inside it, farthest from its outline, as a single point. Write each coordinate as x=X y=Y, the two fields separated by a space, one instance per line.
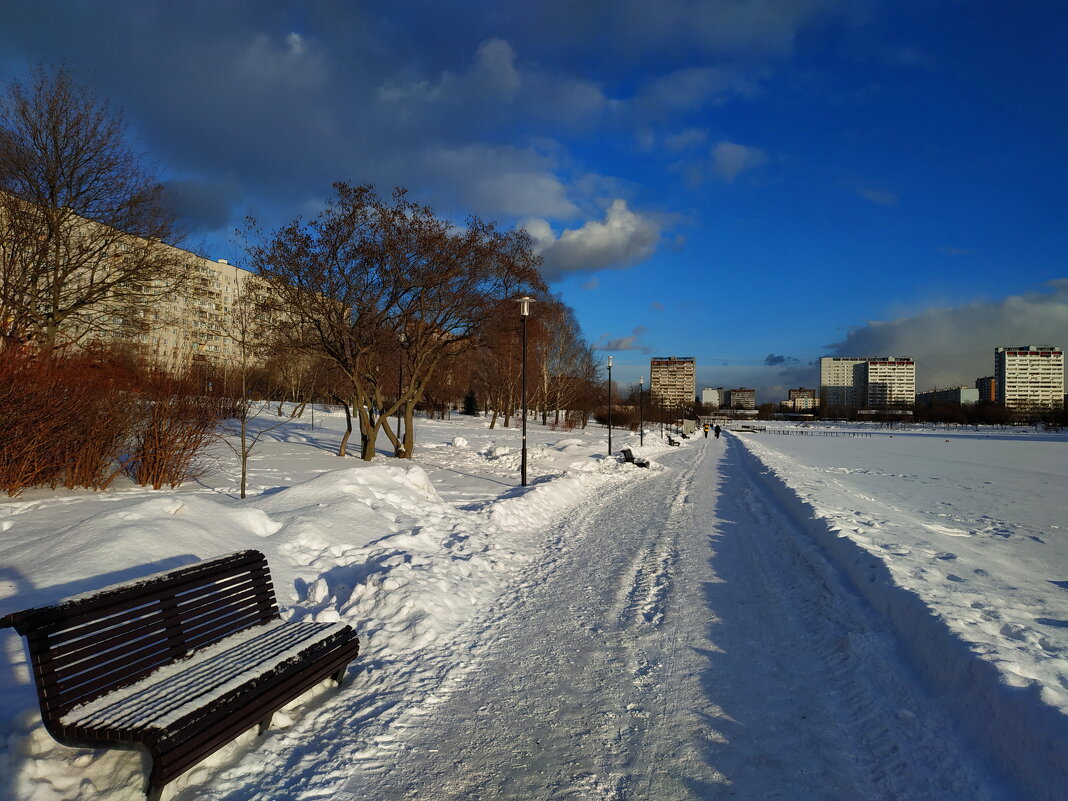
x=842 y=382
x=741 y=398
x=987 y=387
x=801 y=399
x=712 y=396
x=891 y=382
x=1029 y=376
x=673 y=380
x=867 y=382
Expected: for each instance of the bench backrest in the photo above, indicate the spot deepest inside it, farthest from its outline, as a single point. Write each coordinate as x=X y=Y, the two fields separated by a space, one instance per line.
x=91 y=644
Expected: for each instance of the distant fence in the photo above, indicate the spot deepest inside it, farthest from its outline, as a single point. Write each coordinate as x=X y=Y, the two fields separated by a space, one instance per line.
x=799 y=432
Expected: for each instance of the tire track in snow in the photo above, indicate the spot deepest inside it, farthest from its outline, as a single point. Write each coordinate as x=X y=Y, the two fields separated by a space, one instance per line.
x=903 y=744
x=681 y=640
x=558 y=706
x=644 y=593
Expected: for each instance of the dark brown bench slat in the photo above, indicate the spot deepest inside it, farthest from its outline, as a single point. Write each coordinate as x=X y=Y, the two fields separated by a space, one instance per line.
x=85 y=608
x=85 y=624
x=65 y=653
x=86 y=649
x=133 y=660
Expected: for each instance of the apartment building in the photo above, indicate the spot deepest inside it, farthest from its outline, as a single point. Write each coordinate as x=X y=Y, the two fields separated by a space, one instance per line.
x=207 y=321
x=1029 y=376
x=842 y=382
x=673 y=380
x=800 y=399
x=712 y=396
x=891 y=382
x=741 y=398
x=174 y=307
x=867 y=382
x=954 y=395
x=987 y=388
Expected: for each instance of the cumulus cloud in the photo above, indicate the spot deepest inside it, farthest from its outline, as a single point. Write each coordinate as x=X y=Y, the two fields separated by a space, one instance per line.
x=954 y=346
x=621 y=240
x=624 y=343
x=730 y=160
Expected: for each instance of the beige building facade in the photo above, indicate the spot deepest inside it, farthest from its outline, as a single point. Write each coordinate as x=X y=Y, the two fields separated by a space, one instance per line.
x=1029 y=376
x=673 y=380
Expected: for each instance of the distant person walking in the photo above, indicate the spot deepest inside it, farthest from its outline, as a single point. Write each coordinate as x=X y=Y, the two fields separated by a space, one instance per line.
x=716 y=429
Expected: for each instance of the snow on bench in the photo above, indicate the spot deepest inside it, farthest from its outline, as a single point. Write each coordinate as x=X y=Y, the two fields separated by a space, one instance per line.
x=177 y=664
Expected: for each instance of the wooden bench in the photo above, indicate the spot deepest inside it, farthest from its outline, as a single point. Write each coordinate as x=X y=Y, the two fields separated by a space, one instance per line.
x=628 y=456
x=673 y=441
x=177 y=664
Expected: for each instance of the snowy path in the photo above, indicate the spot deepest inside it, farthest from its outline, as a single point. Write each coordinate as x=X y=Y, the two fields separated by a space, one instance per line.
x=683 y=640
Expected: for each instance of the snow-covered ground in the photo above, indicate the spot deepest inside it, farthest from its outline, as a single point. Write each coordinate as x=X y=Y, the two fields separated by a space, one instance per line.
x=740 y=618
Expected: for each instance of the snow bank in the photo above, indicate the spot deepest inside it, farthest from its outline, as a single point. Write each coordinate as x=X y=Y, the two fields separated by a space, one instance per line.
x=406 y=552
x=1011 y=699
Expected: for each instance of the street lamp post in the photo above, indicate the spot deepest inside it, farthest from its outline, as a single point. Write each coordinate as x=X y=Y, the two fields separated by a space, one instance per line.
x=609 y=405
x=641 y=410
x=524 y=312
x=402 y=339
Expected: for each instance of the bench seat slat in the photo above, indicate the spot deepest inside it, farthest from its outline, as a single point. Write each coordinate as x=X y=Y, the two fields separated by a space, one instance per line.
x=162 y=698
x=233 y=719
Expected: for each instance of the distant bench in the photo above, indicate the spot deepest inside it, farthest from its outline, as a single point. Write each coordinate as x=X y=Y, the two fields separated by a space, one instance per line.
x=673 y=441
x=629 y=457
x=177 y=664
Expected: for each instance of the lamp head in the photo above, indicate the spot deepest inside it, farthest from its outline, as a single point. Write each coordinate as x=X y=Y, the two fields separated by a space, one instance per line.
x=609 y=361
x=524 y=305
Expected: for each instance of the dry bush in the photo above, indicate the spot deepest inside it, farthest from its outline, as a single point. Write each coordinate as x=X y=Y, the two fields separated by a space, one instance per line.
x=181 y=414
x=30 y=398
x=63 y=420
x=108 y=411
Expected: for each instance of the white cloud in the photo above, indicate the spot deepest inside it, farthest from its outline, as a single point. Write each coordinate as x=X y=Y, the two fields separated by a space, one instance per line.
x=954 y=346
x=622 y=239
x=731 y=160
x=496 y=181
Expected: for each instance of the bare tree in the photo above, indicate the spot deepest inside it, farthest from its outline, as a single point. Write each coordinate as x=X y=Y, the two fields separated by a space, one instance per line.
x=81 y=218
x=371 y=279
x=246 y=332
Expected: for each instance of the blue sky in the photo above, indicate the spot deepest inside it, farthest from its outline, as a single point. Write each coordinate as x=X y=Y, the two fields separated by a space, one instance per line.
x=756 y=184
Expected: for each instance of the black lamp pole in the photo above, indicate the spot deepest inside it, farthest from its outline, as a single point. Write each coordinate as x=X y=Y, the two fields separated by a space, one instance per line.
x=402 y=339
x=609 y=405
x=524 y=312
x=641 y=410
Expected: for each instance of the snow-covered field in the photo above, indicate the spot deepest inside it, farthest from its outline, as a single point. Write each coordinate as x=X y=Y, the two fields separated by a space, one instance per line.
x=443 y=564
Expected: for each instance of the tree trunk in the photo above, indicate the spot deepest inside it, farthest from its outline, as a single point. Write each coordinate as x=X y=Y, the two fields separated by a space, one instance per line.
x=348 y=426
x=368 y=433
x=409 y=430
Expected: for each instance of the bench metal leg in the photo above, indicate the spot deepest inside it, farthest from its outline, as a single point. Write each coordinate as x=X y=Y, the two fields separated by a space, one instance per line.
x=339 y=675
x=153 y=792
x=265 y=724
